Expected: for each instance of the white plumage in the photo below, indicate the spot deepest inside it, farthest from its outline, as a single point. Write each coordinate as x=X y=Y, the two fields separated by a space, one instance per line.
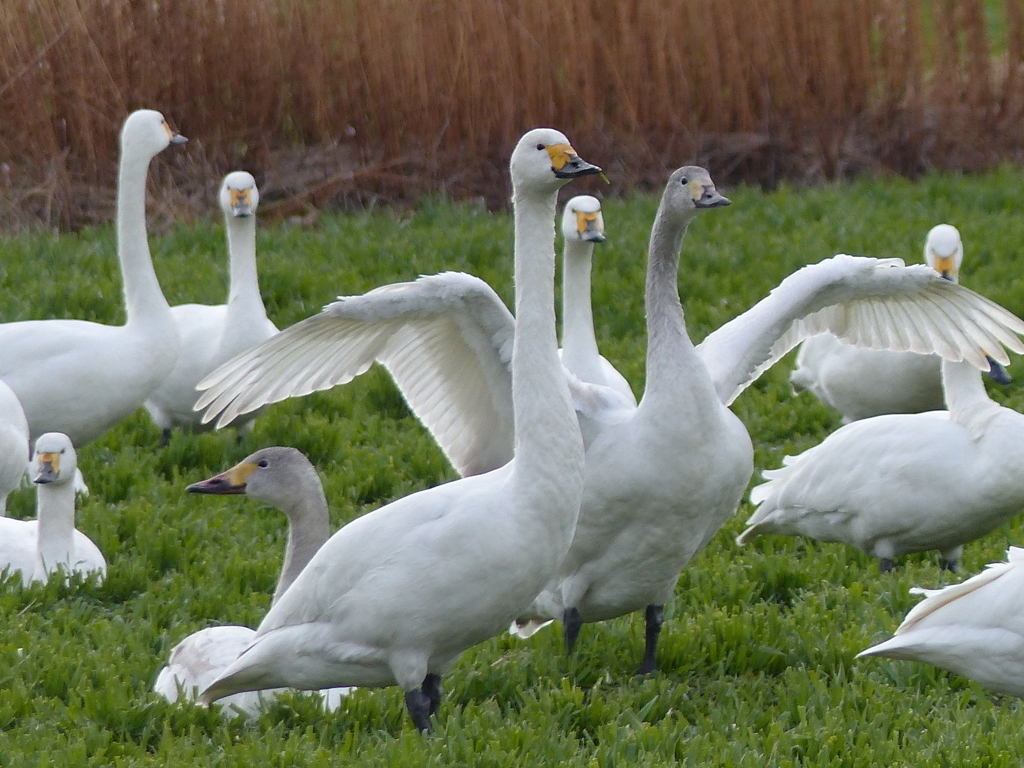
x=975 y=628
x=285 y=478
x=14 y=444
x=37 y=548
x=397 y=595
x=661 y=477
x=211 y=335
x=903 y=483
x=82 y=378
x=860 y=383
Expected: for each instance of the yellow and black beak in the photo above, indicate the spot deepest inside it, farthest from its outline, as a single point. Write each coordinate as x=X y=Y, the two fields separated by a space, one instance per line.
x=945 y=266
x=47 y=468
x=241 y=202
x=231 y=482
x=587 y=227
x=173 y=136
x=567 y=164
x=706 y=196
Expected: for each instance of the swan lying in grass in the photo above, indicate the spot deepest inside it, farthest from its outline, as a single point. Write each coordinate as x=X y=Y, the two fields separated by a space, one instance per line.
x=661 y=477
x=82 y=378
x=211 y=335
x=903 y=483
x=975 y=628
x=860 y=383
x=397 y=595
x=37 y=548
x=14 y=444
x=284 y=478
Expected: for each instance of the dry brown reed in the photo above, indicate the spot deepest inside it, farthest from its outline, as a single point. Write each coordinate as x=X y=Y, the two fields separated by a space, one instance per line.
x=397 y=97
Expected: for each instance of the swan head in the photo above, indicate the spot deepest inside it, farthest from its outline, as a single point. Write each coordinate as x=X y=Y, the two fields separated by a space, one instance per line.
x=543 y=160
x=146 y=131
x=944 y=251
x=274 y=475
x=689 y=191
x=54 y=459
x=239 y=196
x=582 y=220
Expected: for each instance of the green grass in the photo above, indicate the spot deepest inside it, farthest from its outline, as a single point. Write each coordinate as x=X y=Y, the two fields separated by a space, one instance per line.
x=758 y=646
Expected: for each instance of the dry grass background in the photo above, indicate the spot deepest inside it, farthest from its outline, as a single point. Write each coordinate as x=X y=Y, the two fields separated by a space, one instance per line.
x=348 y=99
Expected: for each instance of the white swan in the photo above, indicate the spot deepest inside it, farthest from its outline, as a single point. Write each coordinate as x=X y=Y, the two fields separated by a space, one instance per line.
x=903 y=483
x=37 y=548
x=211 y=335
x=860 y=383
x=582 y=226
x=397 y=595
x=284 y=478
x=661 y=477
x=14 y=444
x=975 y=628
x=82 y=378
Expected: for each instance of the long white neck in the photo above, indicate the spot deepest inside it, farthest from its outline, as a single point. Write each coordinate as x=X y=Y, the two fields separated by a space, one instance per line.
x=142 y=293
x=964 y=389
x=549 y=448
x=675 y=374
x=244 y=300
x=55 y=510
x=579 y=345
x=308 y=529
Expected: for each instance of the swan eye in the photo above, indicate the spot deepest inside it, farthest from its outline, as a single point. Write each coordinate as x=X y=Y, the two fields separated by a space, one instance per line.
x=541 y=146
x=263 y=463
x=684 y=181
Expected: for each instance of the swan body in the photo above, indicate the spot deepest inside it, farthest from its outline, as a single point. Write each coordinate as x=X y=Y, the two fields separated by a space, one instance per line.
x=285 y=478
x=37 y=548
x=14 y=444
x=82 y=378
x=397 y=595
x=860 y=383
x=211 y=335
x=903 y=483
x=975 y=628
x=661 y=478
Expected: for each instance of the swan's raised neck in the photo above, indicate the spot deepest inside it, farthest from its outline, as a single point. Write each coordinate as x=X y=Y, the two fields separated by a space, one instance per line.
x=54 y=463
x=582 y=226
x=239 y=199
x=284 y=478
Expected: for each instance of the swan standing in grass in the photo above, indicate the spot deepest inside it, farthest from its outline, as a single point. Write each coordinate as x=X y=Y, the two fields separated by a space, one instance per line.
x=82 y=378
x=903 y=483
x=661 y=477
x=14 y=444
x=211 y=335
x=284 y=478
x=397 y=595
x=446 y=340
x=860 y=383
x=975 y=628
x=37 y=548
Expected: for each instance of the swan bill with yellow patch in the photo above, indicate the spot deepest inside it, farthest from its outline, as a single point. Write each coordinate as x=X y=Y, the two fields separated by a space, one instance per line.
x=240 y=200
x=173 y=136
x=705 y=195
x=47 y=467
x=566 y=163
x=590 y=227
x=233 y=481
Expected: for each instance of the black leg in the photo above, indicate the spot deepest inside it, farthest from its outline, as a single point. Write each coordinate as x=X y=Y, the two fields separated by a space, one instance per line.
x=165 y=437
x=885 y=565
x=949 y=565
x=571 y=623
x=418 y=704
x=432 y=688
x=654 y=617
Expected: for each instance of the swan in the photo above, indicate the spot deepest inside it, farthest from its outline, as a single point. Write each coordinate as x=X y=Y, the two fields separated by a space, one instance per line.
x=974 y=628
x=37 y=548
x=14 y=444
x=82 y=378
x=395 y=596
x=284 y=478
x=446 y=340
x=211 y=335
x=902 y=483
x=582 y=227
x=662 y=476
x=860 y=383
